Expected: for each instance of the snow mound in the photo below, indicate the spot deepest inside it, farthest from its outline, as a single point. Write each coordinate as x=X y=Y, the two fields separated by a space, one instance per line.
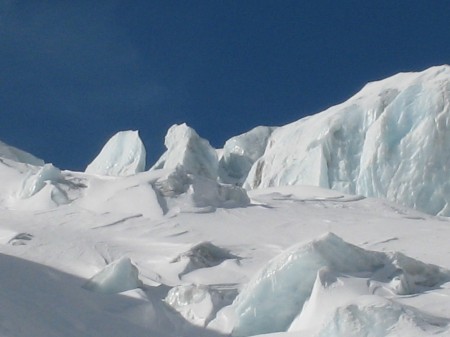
x=116 y=277
x=203 y=255
x=12 y=153
x=240 y=152
x=123 y=155
x=193 y=193
x=199 y=303
x=376 y=316
x=287 y=282
x=372 y=144
x=186 y=148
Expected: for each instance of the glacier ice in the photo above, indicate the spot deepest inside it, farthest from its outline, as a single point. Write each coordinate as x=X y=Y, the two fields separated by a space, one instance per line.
x=118 y=276
x=186 y=148
x=123 y=155
x=10 y=152
x=240 y=152
x=287 y=282
x=391 y=140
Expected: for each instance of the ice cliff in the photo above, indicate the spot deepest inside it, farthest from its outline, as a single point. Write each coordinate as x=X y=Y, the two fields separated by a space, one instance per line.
x=390 y=140
x=123 y=155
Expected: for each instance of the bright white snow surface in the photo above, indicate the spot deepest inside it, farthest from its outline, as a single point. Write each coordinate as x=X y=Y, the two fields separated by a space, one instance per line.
x=123 y=155
x=176 y=252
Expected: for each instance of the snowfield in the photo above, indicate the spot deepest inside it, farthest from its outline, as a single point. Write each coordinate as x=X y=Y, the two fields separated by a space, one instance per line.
x=184 y=250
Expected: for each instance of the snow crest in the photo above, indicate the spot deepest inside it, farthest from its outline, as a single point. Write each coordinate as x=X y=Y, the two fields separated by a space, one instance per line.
x=123 y=155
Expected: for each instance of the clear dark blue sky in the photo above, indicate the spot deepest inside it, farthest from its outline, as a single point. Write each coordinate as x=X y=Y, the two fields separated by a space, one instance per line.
x=72 y=73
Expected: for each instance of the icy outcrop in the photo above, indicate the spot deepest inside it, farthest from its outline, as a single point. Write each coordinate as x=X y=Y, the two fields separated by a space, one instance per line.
x=187 y=149
x=117 y=277
x=288 y=281
x=123 y=155
x=240 y=152
x=10 y=152
x=390 y=140
x=190 y=192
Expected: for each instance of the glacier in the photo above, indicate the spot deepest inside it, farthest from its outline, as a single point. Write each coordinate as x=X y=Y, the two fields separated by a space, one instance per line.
x=390 y=140
x=123 y=155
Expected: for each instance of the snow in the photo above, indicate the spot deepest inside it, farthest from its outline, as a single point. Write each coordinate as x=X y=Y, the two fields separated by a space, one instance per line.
x=175 y=251
x=123 y=155
x=371 y=144
x=187 y=149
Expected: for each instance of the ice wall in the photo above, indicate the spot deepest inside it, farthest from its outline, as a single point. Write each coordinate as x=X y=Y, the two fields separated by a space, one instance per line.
x=392 y=139
x=187 y=149
x=123 y=155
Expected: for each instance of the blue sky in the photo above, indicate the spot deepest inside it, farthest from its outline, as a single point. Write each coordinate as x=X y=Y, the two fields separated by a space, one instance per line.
x=75 y=72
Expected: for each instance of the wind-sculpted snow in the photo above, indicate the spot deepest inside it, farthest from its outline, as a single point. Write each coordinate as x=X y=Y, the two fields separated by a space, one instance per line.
x=10 y=152
x=390 y=140
x=123 y=155
x=186 y=148
x=240 y=152
x=287 y=282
